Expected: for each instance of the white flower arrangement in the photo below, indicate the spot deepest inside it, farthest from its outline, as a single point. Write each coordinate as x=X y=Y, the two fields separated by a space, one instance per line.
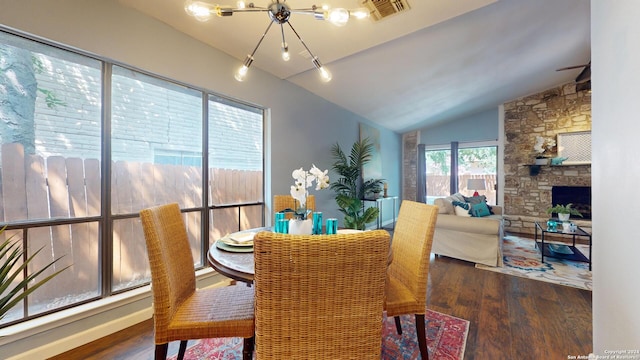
x=303 y=180
x=543 y=144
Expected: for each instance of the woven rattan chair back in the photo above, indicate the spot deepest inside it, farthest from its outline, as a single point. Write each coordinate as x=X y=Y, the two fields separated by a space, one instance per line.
x=406 y=289
x=282 y=202
x=180 y=311
x=320 y=296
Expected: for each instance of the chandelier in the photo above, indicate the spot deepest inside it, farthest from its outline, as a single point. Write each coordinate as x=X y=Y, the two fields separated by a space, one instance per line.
x=279 y=12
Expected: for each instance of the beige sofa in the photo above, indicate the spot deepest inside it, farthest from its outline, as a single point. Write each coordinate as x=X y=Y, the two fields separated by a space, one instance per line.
x=474 y=239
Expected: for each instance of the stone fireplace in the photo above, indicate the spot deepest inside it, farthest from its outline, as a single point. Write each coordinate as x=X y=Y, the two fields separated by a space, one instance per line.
x=579 y=196
x=546 y=114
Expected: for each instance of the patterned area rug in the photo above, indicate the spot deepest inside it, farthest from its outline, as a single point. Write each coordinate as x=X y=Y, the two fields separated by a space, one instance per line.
x=446 y=339
x=522 y=258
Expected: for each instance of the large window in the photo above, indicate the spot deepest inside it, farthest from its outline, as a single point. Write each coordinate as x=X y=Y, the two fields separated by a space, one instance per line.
x=50 y=123
x=235 y=167
x=473 y=162
x=86 y=144
x=149 y=114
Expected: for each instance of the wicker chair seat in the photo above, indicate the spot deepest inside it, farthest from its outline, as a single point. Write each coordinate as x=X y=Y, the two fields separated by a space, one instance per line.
x=229 y=307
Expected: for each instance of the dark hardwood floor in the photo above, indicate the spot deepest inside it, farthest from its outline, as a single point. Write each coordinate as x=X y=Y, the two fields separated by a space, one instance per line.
x=511 y=318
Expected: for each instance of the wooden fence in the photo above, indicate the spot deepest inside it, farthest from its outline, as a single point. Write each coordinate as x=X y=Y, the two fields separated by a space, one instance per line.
x=438 y=185
x=33 y=188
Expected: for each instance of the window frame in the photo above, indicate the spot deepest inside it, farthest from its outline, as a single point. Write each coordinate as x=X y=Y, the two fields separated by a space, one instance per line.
x=106 y=218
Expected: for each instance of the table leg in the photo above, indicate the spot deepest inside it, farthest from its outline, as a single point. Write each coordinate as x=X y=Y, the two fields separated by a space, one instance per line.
x=590 y=260
x=394 y=214
x=542 y=245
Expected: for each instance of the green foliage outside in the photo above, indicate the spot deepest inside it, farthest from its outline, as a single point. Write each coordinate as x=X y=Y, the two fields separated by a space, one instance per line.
x=482 y=157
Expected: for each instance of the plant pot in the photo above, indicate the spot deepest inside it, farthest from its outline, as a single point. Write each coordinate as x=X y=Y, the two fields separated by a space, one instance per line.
x=564 y=217
x=541 y=161
x=301 y=227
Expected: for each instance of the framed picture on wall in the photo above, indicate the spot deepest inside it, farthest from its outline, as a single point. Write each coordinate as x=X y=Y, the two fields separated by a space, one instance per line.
x=576 y=147
x=373 y=169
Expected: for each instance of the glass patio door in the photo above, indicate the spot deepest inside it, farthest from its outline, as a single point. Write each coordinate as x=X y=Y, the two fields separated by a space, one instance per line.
x=477 y=163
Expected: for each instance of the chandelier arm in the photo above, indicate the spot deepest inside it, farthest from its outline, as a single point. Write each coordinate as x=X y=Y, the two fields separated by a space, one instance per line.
x=250 y=10
x=285 y=47
x=301 y=41
x=305 y=11
x=325 y=75
x=261 y=38
x=282 y=31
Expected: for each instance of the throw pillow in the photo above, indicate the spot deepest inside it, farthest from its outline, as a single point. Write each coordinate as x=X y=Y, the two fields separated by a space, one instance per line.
x=460 y=211
x=480 y=210
x=461 y=208
x=444 y=206
x=457 y=197
x=475 y=199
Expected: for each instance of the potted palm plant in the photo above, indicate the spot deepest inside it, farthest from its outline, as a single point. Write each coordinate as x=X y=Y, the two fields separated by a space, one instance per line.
x=11 y=269
x=350 y=187
x=564 y=211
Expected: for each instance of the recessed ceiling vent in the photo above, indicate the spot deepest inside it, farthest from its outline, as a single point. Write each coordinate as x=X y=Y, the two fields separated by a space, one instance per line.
x=383 y=8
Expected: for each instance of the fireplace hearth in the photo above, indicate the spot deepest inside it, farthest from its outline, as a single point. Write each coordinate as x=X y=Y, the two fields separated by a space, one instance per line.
x=579 y=196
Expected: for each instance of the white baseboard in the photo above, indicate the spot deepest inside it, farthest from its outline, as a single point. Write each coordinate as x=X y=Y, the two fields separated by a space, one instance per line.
x=55 y=334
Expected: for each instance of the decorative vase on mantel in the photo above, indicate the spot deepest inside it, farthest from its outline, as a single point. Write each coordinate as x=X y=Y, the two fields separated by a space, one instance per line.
x=541 y=161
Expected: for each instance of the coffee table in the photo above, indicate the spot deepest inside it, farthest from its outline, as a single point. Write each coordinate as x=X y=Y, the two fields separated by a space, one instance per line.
x=547 y=249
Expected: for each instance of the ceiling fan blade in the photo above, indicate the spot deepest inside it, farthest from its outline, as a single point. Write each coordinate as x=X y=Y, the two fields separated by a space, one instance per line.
x=585 y=75
x=573 y=67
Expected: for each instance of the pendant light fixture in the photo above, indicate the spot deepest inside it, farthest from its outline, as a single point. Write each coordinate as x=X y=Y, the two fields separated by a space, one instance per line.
x=280 y=13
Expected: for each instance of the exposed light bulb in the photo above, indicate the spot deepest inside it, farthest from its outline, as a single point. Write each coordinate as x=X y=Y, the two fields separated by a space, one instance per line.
x=240 y=4
x=198 y=9
x=241 y=73
x=338 y=16
x=359 y=13
x=325 y=75
x=285 y=52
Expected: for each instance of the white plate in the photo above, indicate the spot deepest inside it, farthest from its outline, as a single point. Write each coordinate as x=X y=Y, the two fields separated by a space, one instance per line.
x=239 y=239
x=348 y=231
x=231 y=248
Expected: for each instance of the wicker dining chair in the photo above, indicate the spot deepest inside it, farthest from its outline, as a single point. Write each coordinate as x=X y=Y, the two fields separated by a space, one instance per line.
x=282 y=202
x=320 y=296
x=406 y=289
x=182 y=312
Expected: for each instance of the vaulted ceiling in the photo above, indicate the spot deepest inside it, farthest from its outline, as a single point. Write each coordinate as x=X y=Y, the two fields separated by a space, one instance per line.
x=439 y=61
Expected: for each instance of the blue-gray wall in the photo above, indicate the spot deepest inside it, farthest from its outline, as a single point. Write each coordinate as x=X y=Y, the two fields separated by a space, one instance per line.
x=483 y=126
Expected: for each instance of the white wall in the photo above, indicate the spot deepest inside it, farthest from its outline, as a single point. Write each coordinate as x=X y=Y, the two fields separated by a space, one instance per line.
x=615 y=33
